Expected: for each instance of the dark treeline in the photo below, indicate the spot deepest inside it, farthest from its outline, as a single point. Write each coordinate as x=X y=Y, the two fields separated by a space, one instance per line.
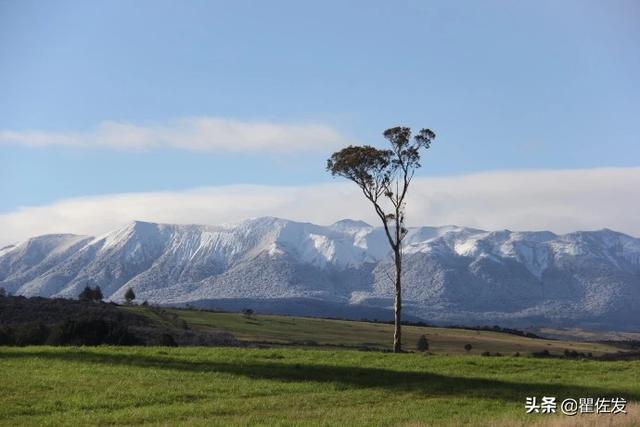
x=68 y=332
x=625 y=344
x=18 y=309
x=36 y=321
x=33 y=321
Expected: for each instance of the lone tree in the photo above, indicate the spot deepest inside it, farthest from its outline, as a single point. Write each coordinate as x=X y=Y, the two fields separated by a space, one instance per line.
x=384 y=177
x=129 y=296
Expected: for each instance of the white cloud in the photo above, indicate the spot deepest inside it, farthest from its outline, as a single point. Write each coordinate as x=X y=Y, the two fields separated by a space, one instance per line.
x=197 y=134
x=561 y=201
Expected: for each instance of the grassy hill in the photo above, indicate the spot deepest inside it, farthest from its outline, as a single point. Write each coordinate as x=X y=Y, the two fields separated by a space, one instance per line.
x=300 y=371
x=286 y=330
x=287 y=386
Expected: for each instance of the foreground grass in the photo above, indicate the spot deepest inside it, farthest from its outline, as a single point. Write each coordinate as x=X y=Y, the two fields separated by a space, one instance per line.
x=300 y=330
x=222 y=386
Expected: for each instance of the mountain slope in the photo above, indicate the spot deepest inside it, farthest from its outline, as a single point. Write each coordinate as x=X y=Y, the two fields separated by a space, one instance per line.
x=452 y=274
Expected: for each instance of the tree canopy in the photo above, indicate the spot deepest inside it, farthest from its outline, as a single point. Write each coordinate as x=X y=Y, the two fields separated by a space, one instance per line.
x=384 y=172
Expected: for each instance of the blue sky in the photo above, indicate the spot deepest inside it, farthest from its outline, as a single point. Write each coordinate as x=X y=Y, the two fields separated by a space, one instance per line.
x=505 y=85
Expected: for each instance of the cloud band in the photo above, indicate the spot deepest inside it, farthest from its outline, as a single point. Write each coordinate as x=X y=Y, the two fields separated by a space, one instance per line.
x=556 y=200
x=194 y=134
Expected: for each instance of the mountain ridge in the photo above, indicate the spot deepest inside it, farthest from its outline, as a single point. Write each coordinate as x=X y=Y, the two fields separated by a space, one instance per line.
x=452 y=274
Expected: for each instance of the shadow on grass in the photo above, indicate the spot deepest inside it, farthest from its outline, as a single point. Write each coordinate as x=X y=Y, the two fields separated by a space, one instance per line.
x=346 y=376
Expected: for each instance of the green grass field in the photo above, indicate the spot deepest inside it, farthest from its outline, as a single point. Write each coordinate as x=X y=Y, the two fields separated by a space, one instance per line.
x=286 y=386
x=301 y=330
x=310 y=375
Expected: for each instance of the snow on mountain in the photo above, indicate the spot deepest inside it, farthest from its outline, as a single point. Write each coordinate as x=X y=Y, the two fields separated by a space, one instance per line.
x=452 y=274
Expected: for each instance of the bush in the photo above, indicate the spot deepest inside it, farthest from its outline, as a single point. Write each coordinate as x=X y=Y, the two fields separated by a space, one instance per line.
x=543 y=353
x=422 y=344
x=168 y=341
x=574 y=354
x=485 y=353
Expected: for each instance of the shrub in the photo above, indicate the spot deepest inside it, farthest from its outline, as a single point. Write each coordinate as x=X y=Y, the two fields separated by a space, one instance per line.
x=422 y=344
x=573 y=354
x=543 y=353
x=168 y=341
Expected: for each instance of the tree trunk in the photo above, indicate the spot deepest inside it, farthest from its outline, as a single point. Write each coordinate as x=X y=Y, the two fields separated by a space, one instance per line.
x=397 y=334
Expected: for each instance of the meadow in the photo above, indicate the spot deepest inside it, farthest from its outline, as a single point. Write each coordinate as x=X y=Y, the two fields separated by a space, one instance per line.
x=307 y=331
x=287 y=386
x=307 y=371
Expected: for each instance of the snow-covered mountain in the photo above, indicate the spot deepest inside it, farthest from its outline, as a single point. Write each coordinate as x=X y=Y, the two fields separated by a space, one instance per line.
x=452 y=274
